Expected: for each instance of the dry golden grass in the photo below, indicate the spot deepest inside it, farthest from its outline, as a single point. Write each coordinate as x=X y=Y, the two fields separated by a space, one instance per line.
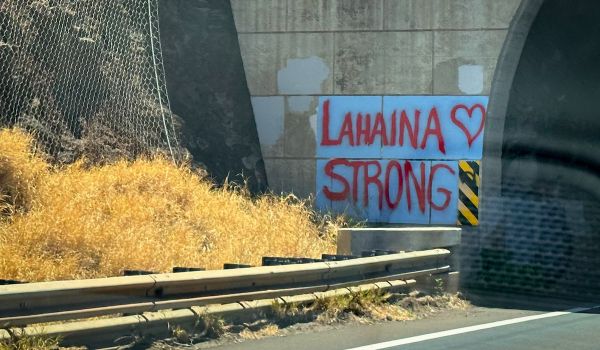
x=20 y=171
x=29 y=343
x=84 y=222
x=269 y=330
x=368 y=307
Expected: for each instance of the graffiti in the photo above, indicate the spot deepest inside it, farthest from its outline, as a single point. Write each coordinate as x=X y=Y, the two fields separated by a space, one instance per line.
x=367 y=132
x=396 y=159
x=395 y=173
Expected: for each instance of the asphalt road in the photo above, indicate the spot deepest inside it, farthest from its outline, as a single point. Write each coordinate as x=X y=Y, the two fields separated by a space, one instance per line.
x=534 y=326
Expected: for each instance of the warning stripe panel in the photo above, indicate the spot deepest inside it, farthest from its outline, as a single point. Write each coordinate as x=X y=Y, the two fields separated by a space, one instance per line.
x=465 y=216
x=468 y=192
x=465 y=167
x=468 y=197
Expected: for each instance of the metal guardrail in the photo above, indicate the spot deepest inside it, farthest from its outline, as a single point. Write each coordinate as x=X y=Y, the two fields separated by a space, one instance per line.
x=124 y=331
x=33 y=303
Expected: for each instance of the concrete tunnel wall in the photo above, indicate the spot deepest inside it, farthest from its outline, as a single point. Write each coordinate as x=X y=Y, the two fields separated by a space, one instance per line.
x=540 y=210
x=539 y=215
x=297 y=50
x=208 y=91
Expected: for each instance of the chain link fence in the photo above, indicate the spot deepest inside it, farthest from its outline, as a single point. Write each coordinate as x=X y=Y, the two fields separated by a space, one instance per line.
x=86 y=78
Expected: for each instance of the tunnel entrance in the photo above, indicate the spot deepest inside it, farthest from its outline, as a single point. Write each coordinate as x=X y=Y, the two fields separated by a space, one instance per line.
x=540 y=210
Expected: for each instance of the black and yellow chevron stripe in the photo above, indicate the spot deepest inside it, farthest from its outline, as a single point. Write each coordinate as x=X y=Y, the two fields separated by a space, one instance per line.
x=468 y=198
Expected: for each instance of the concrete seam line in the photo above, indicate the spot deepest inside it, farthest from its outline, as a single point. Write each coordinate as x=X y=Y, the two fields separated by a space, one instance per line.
x=124 y=323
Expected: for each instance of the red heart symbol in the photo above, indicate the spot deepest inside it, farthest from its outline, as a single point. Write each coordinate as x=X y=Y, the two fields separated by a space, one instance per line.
x=470 y=137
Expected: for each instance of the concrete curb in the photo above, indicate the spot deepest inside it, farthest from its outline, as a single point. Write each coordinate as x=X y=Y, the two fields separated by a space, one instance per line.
x=353 y=241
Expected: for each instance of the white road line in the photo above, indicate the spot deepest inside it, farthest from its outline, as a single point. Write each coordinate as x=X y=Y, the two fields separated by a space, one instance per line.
x=425 y=337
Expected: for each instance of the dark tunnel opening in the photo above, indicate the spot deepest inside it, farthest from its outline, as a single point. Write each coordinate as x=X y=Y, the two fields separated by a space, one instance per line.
x=544 y=237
